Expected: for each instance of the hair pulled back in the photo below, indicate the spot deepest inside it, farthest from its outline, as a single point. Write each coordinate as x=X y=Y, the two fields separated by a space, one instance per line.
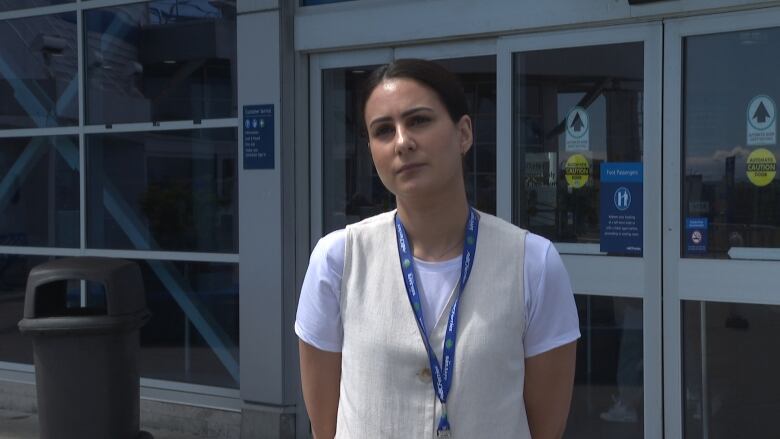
x=428 y=73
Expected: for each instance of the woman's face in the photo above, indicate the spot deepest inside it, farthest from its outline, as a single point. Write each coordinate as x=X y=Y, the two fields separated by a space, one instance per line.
x=416 y=147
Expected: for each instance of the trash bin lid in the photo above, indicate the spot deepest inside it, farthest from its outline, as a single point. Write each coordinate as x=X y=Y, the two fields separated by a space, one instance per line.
x=120 y=278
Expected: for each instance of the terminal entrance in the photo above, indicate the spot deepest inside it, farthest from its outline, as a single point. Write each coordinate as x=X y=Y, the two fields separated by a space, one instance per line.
x=645 y=198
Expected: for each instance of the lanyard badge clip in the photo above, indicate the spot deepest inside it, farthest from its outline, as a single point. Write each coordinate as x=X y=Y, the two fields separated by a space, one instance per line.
x=444 y=431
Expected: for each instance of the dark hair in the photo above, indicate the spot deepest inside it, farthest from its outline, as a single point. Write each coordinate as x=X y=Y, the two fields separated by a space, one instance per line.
x=428 y=73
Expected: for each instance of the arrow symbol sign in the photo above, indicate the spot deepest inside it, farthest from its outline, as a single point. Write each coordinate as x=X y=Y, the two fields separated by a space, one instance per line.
x=577 y=124
x=761 y=114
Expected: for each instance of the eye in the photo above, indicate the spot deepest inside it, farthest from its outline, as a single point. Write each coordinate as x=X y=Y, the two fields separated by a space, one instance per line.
x=382 y=130
x=419 y=120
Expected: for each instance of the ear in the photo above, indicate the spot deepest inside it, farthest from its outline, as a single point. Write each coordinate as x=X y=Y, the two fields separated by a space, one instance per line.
x=466 y=134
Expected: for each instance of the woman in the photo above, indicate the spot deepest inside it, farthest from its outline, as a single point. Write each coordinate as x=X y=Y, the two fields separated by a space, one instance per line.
x=435 y=319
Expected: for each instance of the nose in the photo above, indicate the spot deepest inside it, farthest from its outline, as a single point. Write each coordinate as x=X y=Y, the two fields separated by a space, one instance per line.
x=404 y=141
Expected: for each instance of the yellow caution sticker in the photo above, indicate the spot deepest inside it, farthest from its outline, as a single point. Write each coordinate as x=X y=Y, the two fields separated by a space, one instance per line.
x=577 y=171
x=761 y=167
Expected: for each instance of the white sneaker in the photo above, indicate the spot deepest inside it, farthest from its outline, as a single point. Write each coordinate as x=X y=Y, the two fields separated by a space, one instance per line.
x=619 y=412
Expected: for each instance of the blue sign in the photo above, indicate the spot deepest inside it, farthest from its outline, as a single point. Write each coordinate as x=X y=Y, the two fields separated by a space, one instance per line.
x=259 y=136
x=621 y=208
x=696 y=234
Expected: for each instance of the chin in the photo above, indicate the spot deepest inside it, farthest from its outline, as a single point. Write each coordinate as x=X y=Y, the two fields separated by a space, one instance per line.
x=417 y=190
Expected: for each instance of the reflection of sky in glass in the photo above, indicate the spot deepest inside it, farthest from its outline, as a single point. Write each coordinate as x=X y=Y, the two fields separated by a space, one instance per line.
x=723 y=73
x=171 y=11
x=597 y=116
x=10 y=5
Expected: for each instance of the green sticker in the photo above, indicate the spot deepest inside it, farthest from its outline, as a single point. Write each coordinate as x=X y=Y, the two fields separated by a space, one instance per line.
x=470 y=240
x=448 y=343
x=416 y=306
x=407 y=263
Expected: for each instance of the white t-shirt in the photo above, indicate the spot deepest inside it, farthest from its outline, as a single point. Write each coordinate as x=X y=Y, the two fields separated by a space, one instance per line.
x=551 y=314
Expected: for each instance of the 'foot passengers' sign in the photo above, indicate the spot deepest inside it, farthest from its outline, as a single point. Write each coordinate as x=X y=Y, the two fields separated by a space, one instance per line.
x=621 y=208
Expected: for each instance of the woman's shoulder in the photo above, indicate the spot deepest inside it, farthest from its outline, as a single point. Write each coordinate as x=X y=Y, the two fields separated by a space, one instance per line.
x=329 y=251
x=500 y=225
x=537 y=247
x=373 y=221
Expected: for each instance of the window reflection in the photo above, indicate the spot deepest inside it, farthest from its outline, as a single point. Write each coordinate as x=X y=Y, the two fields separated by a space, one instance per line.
x=730 y=202
x=608 y=399
x=321 y=2
x=39 y=191
x=574 y=109
x=161 y=60
x=731 y=354
x=193 y=335
x=9 y=5
x=166 y=190
x=352 y=189
x=38 y=82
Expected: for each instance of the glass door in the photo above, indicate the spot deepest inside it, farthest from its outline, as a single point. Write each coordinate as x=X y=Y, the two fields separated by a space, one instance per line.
x=567 y=135
x=344 y=185
x=580 y=138
x=722 y=226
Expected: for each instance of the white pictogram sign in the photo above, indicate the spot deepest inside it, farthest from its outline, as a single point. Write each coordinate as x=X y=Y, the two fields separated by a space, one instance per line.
x=577 y=130
x=761 y=121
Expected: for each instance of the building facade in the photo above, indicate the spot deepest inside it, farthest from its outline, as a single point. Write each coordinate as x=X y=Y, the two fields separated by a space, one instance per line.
x=215 y=141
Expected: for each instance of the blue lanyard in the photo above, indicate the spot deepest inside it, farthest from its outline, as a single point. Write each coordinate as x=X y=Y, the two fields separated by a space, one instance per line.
x=442 y=376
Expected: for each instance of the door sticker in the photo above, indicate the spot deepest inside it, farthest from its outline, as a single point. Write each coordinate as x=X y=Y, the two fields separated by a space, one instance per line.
x=577 y=130
x=761 y=121
x=761 y=167
x=696 y=233
x=577 y=171
x=621 y=208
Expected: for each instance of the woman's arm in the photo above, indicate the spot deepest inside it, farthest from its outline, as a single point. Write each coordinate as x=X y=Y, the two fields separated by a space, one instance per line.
x=320 y=378
x=549 y=379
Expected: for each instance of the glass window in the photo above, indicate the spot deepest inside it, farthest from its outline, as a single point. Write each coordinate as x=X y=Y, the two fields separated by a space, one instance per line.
x=163 y=190
x=193 y=335
x=9 y=5
x=39 y=191
x=731 y=197
x=575 y=110
x=38 y=82
x=608 y=399
x=351 y=187
x=320 y=2
x=159 y=61
x=731 y=354
x=14 y=269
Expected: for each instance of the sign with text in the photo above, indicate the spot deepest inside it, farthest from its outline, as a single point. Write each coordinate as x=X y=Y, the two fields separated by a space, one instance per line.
x=696 y=233
x=761 y=121
x=621 y=208
x=259 y=136
x=577 y=130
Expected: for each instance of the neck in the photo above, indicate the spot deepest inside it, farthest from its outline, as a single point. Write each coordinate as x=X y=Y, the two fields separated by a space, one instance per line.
x=435 y=228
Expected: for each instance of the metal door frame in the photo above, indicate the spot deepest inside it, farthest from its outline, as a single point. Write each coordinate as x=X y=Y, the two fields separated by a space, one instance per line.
x=318 y=63
x=592 y=273
x=745 y=280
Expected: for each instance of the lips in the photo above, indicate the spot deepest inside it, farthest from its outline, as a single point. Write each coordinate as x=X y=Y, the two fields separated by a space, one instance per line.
x=409 y=167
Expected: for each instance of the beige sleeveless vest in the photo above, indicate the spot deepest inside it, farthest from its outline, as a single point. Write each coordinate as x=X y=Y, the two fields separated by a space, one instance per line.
x=386 y=389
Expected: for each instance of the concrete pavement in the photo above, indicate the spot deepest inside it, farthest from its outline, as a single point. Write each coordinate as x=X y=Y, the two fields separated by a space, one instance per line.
x=17 y=425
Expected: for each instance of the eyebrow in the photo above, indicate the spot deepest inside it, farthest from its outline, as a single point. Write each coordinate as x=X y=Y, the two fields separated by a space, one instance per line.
x=404 y=114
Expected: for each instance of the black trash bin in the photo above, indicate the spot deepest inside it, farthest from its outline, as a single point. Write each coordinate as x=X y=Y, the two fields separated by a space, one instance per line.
x=86 y=357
